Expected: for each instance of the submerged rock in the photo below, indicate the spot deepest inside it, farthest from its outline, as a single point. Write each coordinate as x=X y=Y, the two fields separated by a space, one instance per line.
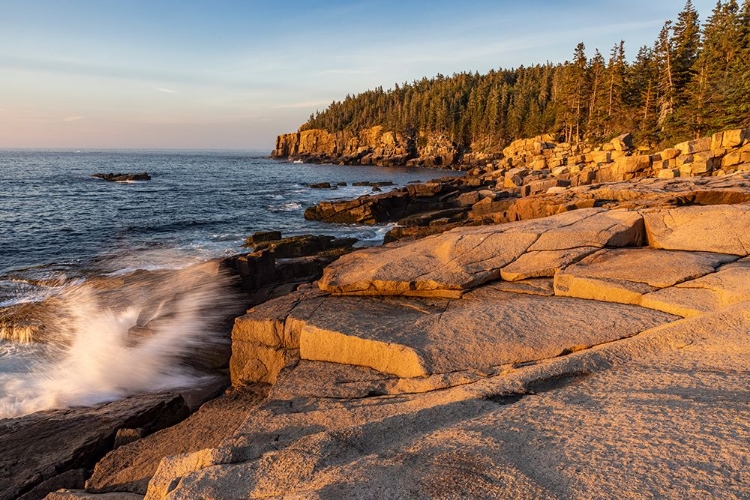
x=143 y=176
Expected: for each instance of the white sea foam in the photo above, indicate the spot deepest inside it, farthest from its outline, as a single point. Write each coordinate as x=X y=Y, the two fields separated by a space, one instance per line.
x=93 y=355
x=285 y=207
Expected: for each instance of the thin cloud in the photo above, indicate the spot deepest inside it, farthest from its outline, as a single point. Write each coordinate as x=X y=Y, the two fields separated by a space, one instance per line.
x=307 y=104
x=72 y=118
x=347 y=72
x=167 y=91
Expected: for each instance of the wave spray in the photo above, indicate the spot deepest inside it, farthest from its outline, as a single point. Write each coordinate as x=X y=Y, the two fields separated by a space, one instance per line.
x=113 y=337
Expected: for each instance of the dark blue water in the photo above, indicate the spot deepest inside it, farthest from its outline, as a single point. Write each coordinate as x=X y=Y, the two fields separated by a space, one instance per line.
x=57 y=222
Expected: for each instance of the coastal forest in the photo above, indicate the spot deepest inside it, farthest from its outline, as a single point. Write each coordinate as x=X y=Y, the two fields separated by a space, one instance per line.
x=693 y=80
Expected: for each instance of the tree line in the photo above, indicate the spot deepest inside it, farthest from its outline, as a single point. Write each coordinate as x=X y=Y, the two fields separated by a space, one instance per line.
x=693 y=81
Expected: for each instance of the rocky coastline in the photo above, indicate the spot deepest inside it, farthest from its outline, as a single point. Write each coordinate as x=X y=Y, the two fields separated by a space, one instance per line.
x=564 y=321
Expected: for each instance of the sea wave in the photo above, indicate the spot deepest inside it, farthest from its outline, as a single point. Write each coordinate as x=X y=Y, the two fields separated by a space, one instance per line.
x=107 y=343
x=285 y=207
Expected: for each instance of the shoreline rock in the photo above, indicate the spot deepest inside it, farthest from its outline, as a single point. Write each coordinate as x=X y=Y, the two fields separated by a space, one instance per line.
x=390 y=392
x=75 y=438
x=538 y=177
x=599 y=331
x=111 y=177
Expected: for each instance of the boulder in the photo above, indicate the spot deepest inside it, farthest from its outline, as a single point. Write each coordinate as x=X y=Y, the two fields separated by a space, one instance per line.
x=696 y=146
x=262 y=236
x=143 y=176
x=623 y=142
x=320 y=185
x=628 y=166
x=302 y=246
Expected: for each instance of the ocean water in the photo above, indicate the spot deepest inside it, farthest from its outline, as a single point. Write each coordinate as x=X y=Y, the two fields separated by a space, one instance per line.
x=59 y=226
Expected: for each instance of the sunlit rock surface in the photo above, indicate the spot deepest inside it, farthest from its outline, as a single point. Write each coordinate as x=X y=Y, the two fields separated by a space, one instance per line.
x=592 y=354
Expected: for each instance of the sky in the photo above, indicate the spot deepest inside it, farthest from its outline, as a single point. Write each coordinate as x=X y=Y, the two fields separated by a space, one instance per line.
x=235 y=74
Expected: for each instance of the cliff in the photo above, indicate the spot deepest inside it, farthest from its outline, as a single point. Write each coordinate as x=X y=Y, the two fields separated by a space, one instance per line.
x=372 y=146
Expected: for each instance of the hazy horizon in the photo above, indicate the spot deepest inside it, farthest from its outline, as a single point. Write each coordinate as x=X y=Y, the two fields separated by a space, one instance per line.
x=232 y=75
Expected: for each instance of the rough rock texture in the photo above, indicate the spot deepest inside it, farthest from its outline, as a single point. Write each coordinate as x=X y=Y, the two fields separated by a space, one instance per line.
x=729 y=285
x=74 y=438
x=687 y=229
x=638 y=417
x=626 y=275
x=413 y=338
x=83 y=495
x=464 y=258
x=130 y=467
x=485 y=387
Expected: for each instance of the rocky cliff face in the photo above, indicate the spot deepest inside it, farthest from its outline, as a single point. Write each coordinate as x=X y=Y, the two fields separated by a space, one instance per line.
x=373 y=146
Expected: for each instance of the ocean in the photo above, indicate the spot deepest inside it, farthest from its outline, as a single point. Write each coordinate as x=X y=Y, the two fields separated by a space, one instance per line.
x=59 y=226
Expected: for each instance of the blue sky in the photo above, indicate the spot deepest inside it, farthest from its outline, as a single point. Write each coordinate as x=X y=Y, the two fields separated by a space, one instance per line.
x=233 y=75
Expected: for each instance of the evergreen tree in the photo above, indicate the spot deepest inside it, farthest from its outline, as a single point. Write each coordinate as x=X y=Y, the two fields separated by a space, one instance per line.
x=689 y=84
x=594 y=124
x=615 y=79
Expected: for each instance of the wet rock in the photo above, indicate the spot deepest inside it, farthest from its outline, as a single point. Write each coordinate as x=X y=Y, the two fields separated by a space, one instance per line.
x=320 y=185
x=302 y=246
x=386 y=207
x=40 y=446
x=373 y=184
x=143 y=176
x=75 y=478
x=262 y=236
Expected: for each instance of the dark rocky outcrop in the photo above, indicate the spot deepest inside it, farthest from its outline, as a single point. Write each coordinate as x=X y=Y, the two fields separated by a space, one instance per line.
x=278 y=265
x=66 y=440
x=143 y=176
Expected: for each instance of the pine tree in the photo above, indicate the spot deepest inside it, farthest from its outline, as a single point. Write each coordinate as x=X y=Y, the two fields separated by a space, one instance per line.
x=594 y=124
x=736 y=98
x=665 y=67
x=688 y=84
x=685 y=43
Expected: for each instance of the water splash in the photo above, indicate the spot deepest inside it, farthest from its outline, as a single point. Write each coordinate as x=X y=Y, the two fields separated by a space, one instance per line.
x=112 y=338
